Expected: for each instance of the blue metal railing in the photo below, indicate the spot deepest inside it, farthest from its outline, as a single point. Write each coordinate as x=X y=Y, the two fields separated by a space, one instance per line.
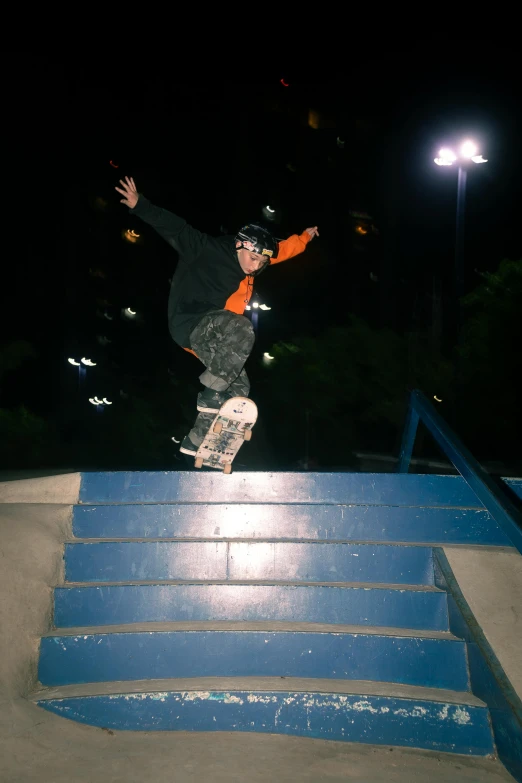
x=503 y=511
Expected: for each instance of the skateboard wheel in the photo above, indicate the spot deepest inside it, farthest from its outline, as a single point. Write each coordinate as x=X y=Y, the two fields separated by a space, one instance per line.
x=228 y=468
x=198 y=463
x=247 y=434
x=217 y=427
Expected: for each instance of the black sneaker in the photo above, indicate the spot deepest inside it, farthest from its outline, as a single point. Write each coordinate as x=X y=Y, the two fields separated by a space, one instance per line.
x=187 y=447
x=210 y=401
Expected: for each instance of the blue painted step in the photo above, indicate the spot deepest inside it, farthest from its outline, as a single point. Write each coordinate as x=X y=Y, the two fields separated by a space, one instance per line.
x=335 y=710
x=302 y=521
x=187 y=560
x=392 y=489
x=101 y=656
x=423 y=607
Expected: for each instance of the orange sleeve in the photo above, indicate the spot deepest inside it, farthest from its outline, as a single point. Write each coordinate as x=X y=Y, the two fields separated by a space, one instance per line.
x=291 y=247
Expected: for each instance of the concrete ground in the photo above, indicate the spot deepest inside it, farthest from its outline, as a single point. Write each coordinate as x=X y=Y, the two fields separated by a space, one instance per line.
x=38 y=746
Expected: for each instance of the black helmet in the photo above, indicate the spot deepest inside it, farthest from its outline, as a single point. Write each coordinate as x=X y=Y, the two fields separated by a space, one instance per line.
x=258 y=240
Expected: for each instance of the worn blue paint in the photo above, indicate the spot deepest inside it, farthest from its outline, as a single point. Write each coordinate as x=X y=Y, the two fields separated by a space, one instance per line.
x=293 y=527
x=298 y=521
x=497 y=502
x=116 y=604
x=133 y=561
x=487 y=678
x=282 y=561
x=329 y=488
x=369 y=719
x=102 y=657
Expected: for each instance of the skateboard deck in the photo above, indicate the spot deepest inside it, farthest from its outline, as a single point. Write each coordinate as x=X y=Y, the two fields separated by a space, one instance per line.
x=227 y=433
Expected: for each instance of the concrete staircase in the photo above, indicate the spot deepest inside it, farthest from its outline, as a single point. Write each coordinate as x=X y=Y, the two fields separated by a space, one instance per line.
x=312 y=604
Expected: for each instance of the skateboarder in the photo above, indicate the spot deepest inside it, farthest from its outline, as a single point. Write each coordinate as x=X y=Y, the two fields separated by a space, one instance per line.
x=211 y=287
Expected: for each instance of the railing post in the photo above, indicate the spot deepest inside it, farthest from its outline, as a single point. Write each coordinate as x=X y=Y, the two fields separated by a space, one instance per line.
x=408 y=438
x=495 y=500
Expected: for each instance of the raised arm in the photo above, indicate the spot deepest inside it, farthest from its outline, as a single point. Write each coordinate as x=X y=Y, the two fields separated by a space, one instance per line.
x=288 y=248
x=188 y=241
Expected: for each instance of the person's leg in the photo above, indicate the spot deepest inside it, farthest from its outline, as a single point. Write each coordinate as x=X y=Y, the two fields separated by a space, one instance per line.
x=223 y=341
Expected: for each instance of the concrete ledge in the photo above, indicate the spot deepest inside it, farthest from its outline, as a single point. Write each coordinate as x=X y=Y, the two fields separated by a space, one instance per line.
x=62 y=489
x=491 y=583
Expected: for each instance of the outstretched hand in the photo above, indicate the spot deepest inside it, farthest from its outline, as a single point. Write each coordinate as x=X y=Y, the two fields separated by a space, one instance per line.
x=129 y=191
x=312 y=231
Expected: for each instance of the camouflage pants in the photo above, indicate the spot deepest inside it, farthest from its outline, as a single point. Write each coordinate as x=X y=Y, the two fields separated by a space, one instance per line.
x=223 y=341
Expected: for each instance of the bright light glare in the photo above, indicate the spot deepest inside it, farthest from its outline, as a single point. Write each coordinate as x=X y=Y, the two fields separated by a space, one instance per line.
x=106 y=401
x=267 y=355
x=130 y=312
x=97 y=401
x=436 y=398
x=88 y=362
x=446 y=157
x=468 y=149
x=71 y=361
x=264 y=307
x=248 y=307
x=479 y=159
x=270 y=210
x=92 y=401
x=255 y=304
x=175 y=441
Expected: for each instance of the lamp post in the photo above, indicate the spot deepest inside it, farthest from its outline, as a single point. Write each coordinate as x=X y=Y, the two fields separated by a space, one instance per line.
x=255 y=307
x=467 y=154
x=82 y=364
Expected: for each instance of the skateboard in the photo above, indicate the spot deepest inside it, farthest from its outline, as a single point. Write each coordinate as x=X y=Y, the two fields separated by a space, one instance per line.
x=227 y=433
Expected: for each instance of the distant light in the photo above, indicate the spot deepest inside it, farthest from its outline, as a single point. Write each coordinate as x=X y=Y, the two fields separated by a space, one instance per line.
x=255 y=304
x=107 y=316
x=248 y=307
x=340 y=142
x=175 y=441
x=284 y=83
x=128 y=311
x=436 y=398
x=92 y=401
x=361 y=230
x=114 y=165
x=264 y=307
x=468 y=149
x=97 y=401
x=479 y=159
x=131 y=236
x=269 y=213
x=267 y=356
x=106 y=401
x=446 y=157
x=71 y=361
x=88 y=362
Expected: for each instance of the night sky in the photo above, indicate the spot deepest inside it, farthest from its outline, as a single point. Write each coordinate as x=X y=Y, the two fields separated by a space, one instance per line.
x=216 y=149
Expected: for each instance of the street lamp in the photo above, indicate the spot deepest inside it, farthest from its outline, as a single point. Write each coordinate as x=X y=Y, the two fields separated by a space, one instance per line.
x=100 y=404
x=467 y=153
x=81 y=365
x=255 y=307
